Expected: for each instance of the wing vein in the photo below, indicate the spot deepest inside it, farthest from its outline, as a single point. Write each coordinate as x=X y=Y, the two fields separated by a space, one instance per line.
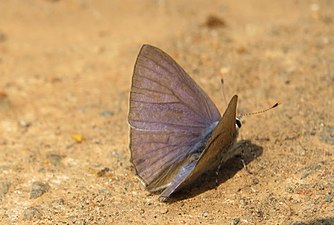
x=168 y=124
x=176 y=96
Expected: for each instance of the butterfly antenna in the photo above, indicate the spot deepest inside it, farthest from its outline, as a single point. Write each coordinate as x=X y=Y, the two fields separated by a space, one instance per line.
x=262 y=111
x=224 y=96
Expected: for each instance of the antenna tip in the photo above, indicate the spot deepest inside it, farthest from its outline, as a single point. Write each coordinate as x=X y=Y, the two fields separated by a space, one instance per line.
x=276 y=104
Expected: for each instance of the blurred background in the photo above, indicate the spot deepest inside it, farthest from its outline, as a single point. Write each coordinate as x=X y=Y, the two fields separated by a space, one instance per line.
x=65 y=76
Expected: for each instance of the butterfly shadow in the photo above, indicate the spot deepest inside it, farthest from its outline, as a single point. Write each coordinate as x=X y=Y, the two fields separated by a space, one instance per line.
x=210 y=180
x=324 y=221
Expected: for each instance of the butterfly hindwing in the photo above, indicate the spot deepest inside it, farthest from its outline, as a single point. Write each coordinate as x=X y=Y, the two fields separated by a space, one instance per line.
x=218 y=149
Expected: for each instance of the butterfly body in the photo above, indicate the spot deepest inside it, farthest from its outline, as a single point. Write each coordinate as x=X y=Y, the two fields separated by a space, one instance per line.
x=176 y=131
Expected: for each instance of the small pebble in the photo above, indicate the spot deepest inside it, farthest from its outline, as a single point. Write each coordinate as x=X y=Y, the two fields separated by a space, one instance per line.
x=313 y=132
x=24 y=123
x=312 y=167
x=214 y=22
x=106 y=113
x=32 y=213
x=304 y=175
x=54 y=158
x=103 y=172
x=78 y=138
x=241 y=50
x=104 y=191
x=205 y=214
x=58 y=204
x=255 y=181
x=38 y=189
x=164 y=211
x=289 y=190
x=4 y=187
x=327 y=135
x=329 y=198
x=224 y=70
x=235 y=221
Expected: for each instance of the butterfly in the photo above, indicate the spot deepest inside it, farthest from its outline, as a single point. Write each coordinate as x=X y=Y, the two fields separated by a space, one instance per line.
x=176 y=131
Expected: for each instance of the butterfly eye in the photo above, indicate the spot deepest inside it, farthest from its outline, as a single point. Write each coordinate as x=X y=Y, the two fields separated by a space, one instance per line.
x=238 y=122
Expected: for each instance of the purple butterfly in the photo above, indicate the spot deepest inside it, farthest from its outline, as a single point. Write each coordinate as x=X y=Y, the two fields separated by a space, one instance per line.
x=177 y=132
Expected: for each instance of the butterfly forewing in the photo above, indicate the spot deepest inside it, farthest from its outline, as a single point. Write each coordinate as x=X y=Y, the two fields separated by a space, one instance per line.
x=168 y=115
x=164 y=97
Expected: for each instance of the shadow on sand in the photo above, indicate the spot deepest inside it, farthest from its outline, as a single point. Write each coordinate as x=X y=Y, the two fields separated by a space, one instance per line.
x=322 y=221
x=209 y=179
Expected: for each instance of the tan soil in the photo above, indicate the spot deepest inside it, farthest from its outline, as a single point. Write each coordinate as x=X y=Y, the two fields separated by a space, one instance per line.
x=66 y=67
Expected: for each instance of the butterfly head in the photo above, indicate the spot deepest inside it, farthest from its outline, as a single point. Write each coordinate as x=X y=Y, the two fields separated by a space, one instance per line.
x=238 y=123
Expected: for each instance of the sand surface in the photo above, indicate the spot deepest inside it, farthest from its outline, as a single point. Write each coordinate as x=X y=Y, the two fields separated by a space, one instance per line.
x=65 y=76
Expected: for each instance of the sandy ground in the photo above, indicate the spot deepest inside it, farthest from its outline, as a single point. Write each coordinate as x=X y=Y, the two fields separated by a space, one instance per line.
x=65 y=73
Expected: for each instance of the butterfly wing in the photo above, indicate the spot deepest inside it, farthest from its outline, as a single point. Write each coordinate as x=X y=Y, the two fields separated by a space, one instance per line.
x=218 y=149
x=168 y=114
